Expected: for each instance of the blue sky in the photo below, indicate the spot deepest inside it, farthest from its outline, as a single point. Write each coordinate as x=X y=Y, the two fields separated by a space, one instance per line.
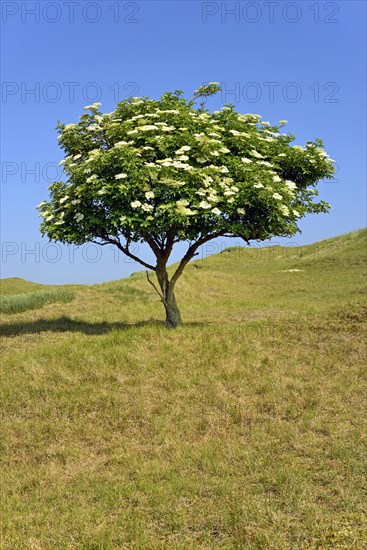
x=299 y=61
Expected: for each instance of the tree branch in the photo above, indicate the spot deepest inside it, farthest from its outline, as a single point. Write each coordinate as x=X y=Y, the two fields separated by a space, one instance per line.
x=191 y=252
x=156 y=289
x=125 y=250
x=154 y=246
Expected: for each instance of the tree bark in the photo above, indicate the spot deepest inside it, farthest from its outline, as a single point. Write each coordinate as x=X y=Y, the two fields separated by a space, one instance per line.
x=173 y=315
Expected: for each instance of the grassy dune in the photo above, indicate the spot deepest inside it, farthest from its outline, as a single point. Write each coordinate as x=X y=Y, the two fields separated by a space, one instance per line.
x=243 y=429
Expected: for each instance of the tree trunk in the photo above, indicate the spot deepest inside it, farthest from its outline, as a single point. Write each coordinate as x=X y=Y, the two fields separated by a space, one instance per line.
x=173 y=315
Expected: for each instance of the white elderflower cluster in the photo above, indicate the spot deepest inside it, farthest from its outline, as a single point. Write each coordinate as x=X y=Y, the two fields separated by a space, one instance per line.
x=92 y=107
x=284 y=209
x=256 y=154
x=290 y=184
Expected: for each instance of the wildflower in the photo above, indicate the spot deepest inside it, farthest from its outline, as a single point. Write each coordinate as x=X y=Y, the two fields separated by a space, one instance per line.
x=182 y=202
x=241 y=211
x=147 y=128
x=93 y=127
x=121 y=144
x=120 y=176
x=290 y=184
x=92 y=107
x=205 y=205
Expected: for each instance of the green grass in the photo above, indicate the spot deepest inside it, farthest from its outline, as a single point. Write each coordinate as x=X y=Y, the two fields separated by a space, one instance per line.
x=243 y=429
x=16 y=303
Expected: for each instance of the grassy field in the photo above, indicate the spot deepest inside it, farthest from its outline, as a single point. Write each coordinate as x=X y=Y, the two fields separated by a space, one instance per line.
x=243 y=429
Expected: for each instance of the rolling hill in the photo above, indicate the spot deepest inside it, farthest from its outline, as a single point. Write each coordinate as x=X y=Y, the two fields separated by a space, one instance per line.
x=245 y=428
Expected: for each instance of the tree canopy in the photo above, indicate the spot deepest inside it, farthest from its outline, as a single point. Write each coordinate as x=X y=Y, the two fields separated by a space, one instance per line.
x=163 y=171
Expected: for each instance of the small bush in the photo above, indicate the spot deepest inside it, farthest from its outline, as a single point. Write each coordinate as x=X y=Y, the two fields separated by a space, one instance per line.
x=16 y=303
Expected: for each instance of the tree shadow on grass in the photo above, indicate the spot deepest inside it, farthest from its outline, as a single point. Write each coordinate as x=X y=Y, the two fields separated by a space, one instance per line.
x=65 y=324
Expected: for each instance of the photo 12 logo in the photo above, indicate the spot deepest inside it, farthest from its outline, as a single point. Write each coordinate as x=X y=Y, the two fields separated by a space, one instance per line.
x=270 y=12
x=70 y=12
x=69 y=91
x=49 y=252
x=275 y=91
